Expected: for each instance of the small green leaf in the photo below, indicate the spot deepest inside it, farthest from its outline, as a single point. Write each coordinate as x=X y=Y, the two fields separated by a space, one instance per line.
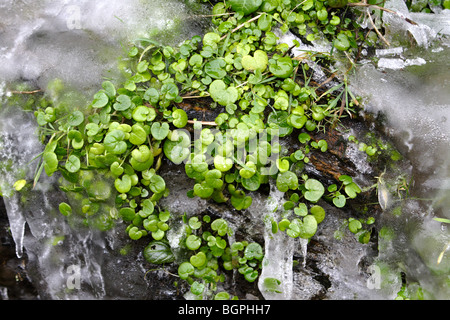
x=123 y=102
x=193 y=242
x=318 y=212
x=73 y=164
x=282 y=67
x=194 y=223
x=65 y=209
x=354 y=225
x=287 y=180
x=138 y=135
x=245 y=6
x=223 y=164
x=157 y=184
x=180 y=118
x=220 y=225
x=352 y=190
x=253 y=251
x=114 y=142
x=308 y=227
x=259 y=61
x=198 y=260
x=185 y=270
x=339 y=201
x=75 y=118
x=19 y=184
x=301 y=210
x=315 y=190
x=222 y=94
x=123 y=185
x=160 y=130
x=100 y=100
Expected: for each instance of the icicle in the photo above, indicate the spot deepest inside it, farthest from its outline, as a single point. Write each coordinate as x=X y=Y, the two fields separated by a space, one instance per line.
x=16 y=222
x=304 y=247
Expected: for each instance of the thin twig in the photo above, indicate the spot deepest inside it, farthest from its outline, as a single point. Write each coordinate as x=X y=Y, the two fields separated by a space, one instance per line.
x=241 y=25
x=205 y=123
x=26 y=92
x=196 y=97
x=376 y=29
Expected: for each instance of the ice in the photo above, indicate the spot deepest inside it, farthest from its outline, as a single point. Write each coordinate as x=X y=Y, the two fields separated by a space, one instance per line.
x=409 y=89
x=278 y=253
x=426 y=27
x=80 y=41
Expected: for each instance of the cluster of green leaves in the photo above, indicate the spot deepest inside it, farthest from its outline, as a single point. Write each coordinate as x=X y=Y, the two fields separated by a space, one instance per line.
x=361 y=228
x=209 y=255
x=375 y=147
x=260 y=90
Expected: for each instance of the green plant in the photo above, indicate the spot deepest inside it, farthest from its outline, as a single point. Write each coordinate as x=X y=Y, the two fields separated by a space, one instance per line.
x=211 y=255
x=114 y=148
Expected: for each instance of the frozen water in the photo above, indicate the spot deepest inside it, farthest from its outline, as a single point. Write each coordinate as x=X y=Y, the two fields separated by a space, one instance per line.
x=427 y=27
x=409 y=88
x=278 y=252
x=79 y=41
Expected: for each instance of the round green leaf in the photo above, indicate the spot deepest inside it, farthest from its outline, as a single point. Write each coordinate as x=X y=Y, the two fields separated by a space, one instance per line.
x=198 y=260
x=222 y=94
x=123 y=185
x=282 y=67
x=354 y=225
x=123 y=102
x=308 y=227
x=220 y=225
x=157 y=184
x=223 y=164
x=65 y=209
x=203 y=190
x=160 y=130
x=109 y=88
x=259 y=61
x=352 y=189
x=215 y=70
x=114 y=142
x=315 y=190
x=193 y=242
x=73 y=164
x=180 y=118
x=245 y=6
x=75 y=118
x=318 y=212
x=287 y=180
x=341 y=42
x=194 y=223
x=100 y=100
x=127 y=214
x=339 y=201
x=178 y=151
x=138 y=135
x=185 y=270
